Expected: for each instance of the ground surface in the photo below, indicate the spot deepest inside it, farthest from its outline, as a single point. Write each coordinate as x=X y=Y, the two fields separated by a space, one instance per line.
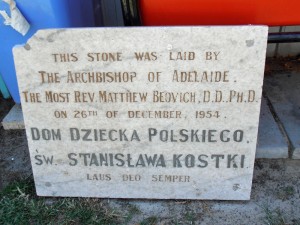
x=275 y=197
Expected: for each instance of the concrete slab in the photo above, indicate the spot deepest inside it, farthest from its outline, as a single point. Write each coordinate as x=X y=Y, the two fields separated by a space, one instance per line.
x=14 y=119
x=284 y=93
x=271 y=143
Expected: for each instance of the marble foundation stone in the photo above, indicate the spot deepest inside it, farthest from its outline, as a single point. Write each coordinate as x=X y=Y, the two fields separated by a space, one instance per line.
x=147 y=112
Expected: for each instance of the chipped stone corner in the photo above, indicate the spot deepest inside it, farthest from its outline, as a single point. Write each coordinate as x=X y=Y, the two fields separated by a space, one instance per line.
x=14 y=119
x=27 y=46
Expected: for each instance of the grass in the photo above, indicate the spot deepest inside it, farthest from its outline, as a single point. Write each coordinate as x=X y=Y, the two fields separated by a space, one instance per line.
x=274 y=217
x=152 y=220
x=20 y=205
x=277 y=217
x=190 y=217
x=286 y=193
x=131 y=211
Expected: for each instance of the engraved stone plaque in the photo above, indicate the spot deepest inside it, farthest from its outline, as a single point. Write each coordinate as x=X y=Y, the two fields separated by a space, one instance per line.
x=148 y=112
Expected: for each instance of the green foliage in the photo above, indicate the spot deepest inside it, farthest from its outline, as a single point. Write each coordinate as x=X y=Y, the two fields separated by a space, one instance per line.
x=190 y=217
x=274 y=217
x=286 y=193
x=131 y=211
x=20 y=205
x=152 y=220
